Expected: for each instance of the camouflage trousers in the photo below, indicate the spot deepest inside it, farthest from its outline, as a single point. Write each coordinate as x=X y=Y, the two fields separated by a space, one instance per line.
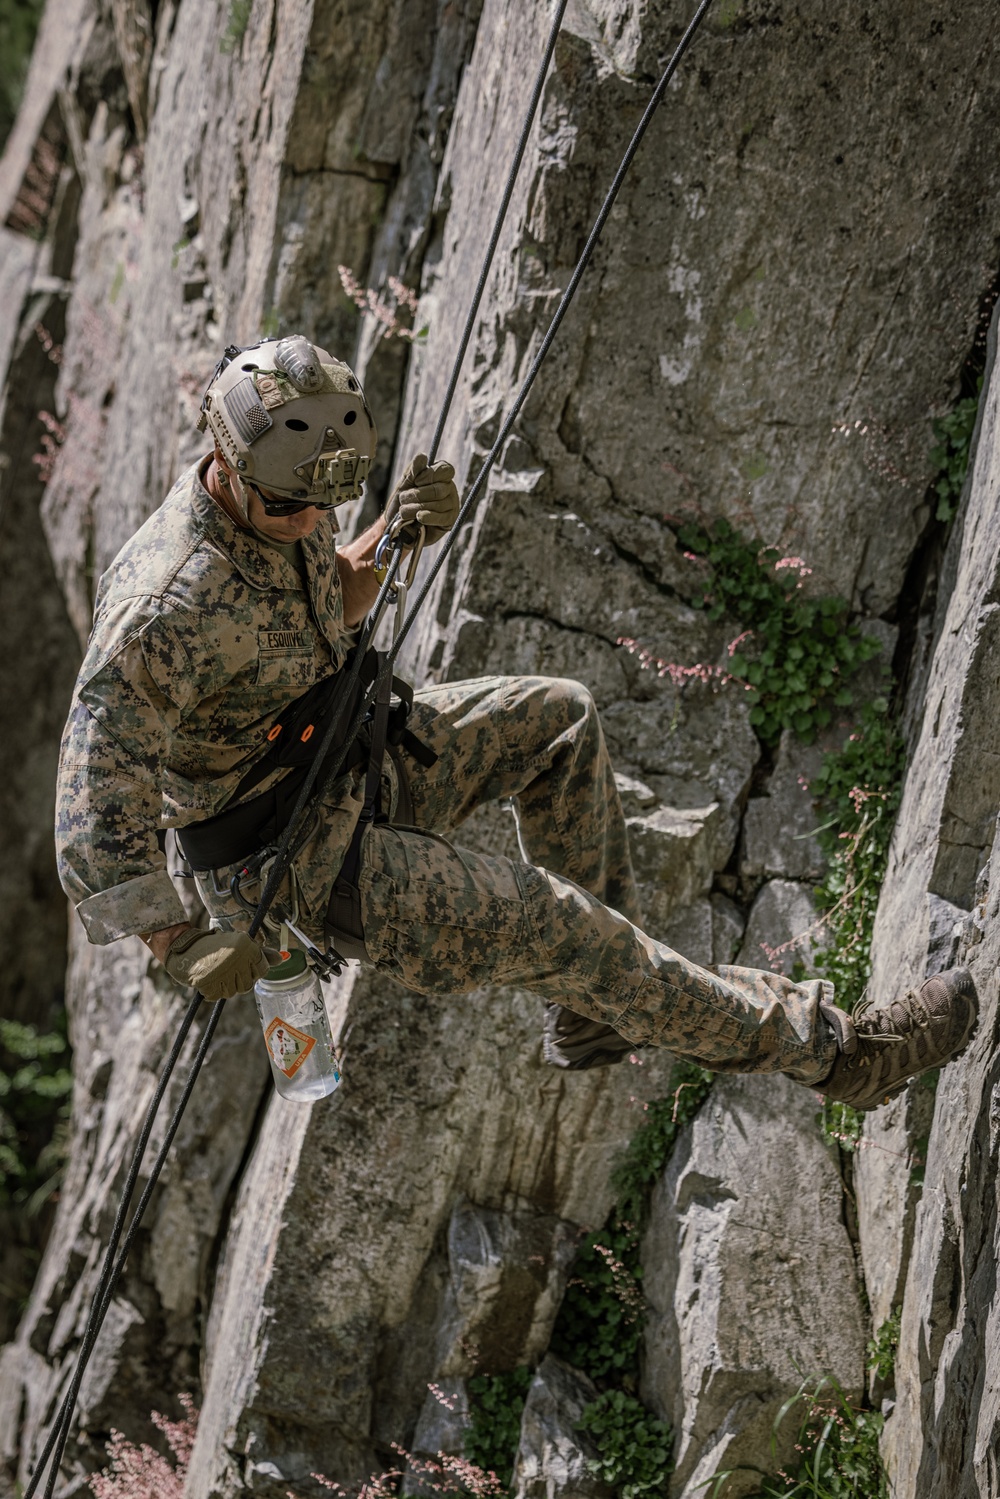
x=443 y=919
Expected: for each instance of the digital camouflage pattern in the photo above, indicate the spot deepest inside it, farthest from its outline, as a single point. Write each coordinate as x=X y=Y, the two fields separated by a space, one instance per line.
x=202 y=636
x=443 y=919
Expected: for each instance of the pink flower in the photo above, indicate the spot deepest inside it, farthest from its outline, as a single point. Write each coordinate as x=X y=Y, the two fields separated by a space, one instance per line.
x=138 y=1472
x=796 y=562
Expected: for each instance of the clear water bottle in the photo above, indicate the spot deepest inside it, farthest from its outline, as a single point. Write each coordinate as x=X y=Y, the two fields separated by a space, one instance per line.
x=296 y=1031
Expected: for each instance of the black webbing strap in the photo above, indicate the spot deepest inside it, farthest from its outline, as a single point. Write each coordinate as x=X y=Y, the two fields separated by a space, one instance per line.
x=345 y=928
x=249 y=823
x=376 y=753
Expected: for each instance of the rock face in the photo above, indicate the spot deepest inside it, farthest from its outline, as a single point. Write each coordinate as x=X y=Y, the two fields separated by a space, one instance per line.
x=941 y=1437
x=778 y=308
x=553 y=1454
x=782 y=927
x=747 y=1210
x=449 y=1142
x=779 y=828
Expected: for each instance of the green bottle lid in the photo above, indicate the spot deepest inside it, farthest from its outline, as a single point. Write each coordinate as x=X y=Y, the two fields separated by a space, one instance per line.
x=290 y=968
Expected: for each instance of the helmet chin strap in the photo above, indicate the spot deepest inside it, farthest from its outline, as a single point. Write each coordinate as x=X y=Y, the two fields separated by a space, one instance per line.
x=241 y=497
x=234 y=498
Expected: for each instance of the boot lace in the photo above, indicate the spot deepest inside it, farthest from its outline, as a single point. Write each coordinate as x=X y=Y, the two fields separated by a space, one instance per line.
x=879 y=1027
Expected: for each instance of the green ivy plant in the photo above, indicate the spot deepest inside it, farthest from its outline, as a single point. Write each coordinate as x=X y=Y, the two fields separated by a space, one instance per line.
x=634 y=1447
x=496 y=1402
x=840 y=1125
x=799 y=652
x=18 y=27
x=35 y=1083
x=858 y=790
x=951 y=453
x=837 y=1447
x=599 y=1327
x=883 y=1346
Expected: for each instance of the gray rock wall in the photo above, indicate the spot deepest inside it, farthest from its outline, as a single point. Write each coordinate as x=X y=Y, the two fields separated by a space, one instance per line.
x=933 y=1251
x=748 y=1208
x=416 y=1230
x=783 y=297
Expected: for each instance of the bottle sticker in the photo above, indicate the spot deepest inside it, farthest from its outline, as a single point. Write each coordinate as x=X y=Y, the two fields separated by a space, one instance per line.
x=288 y=1047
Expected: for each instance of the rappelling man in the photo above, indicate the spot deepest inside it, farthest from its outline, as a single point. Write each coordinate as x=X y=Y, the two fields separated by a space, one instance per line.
x=221 y=637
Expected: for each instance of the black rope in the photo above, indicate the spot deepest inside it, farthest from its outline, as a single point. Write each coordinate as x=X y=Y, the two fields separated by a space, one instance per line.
x=101 y=1302
x=529 y=379
x=108 y=1275
x=515 y=166
x=113 y=1267
x=551 y=331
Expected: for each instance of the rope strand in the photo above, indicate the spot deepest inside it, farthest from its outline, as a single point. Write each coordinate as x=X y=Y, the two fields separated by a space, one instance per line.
x=564 y=303
x=515 y=166
x=553 y=328
x=107 y=1269
x=103 y=1303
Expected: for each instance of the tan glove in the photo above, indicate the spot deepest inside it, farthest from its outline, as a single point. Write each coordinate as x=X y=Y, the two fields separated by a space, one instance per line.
x=425 y=496
x=218 y=964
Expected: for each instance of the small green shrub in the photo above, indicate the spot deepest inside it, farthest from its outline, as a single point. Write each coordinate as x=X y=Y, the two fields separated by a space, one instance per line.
x=882 y=1347
x=495 y=1405
x=951 y=455
x=634 y=1446
x=599 y=1327
x=35 y=1084
x=858 y=790
x=18 y=27
x=799 y=652
x=841 y=1125
x=837 y=1446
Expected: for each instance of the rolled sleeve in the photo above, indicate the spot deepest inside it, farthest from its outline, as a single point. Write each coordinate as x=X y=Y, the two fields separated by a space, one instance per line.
x=143 y=904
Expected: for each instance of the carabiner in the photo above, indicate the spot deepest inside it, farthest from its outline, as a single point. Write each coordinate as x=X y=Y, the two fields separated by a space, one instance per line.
x=393 y=538
x=401 y=589
x=386 y=540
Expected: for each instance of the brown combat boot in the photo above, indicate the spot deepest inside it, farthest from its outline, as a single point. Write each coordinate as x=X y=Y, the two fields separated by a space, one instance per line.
x=882 y=1049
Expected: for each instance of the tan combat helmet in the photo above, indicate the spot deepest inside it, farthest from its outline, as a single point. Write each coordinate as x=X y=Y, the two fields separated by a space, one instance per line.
x=292 y=420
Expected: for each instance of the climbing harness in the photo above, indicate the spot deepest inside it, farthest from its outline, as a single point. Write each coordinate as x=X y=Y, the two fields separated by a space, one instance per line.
x=355 y=700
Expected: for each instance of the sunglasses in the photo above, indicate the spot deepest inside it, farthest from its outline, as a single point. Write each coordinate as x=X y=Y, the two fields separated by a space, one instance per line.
x=277 y=508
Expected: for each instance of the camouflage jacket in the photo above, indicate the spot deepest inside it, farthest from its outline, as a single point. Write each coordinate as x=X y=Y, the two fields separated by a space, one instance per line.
x=201 y=637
